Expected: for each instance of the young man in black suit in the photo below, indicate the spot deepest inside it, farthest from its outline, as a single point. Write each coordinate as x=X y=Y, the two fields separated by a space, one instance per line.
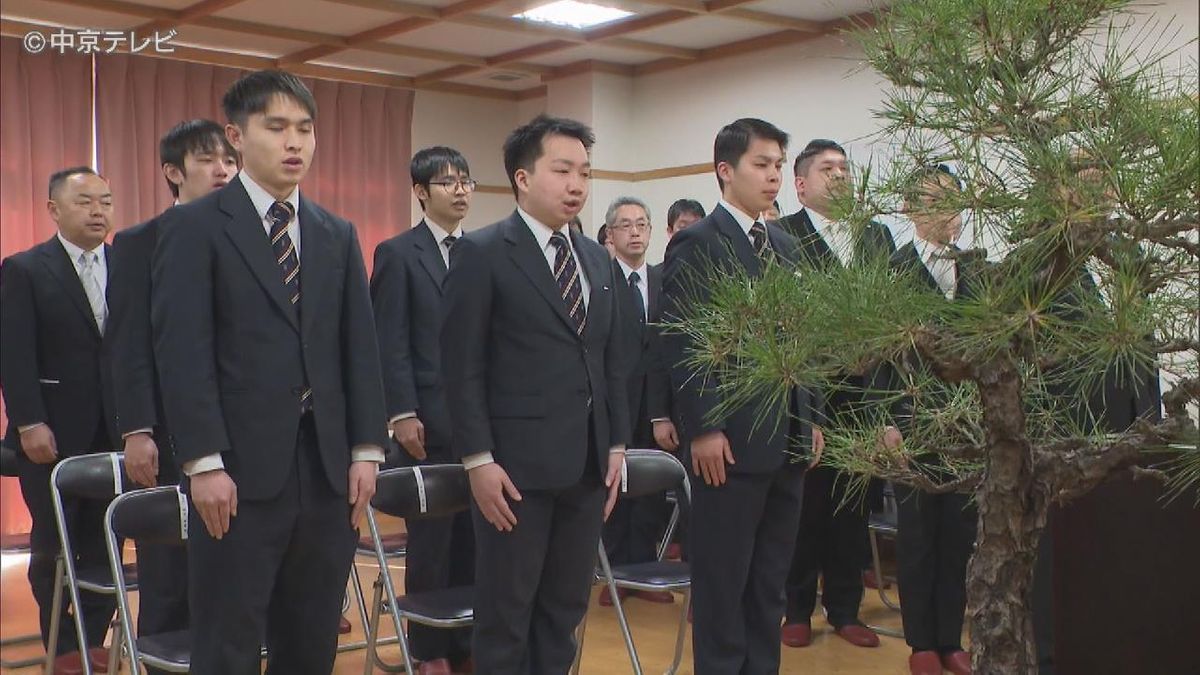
x=937 y=531
x=269 y=369
x=681 y=213
x=57 y=388
x=632 y=531
x=832 y=542
x=535 y=370
x=196 y=159
x=746 y=489
x=406 y=290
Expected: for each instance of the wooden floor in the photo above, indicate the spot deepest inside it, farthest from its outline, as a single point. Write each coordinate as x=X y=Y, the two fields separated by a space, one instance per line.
x=604 y=652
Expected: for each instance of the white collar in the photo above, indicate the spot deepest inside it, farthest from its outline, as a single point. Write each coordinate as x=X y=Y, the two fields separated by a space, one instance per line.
x=820 y=223
x=541 y=231
x=744 y=220
x=627 y=270
x=73 y=251
x=439 y=232
x=262 y=199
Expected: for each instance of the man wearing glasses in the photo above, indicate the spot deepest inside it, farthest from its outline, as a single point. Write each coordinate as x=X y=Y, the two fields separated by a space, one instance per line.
x=406 y=290
x=632 y=531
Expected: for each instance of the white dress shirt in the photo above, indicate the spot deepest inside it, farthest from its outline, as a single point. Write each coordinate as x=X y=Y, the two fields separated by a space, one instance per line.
x=836 y=235
x=262 y=201
x=744 y=220
x=642 y=284
x=940 y=266
x=542 y=233
x=439 y=235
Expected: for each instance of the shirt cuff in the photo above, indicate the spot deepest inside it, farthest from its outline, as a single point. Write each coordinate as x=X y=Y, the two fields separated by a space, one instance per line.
x=27 y=427
x=617 y=449
x=402 y=416
x=367 y=453
x=147 y=430
x=211 y=462
x=477 y=460
x=660 y=419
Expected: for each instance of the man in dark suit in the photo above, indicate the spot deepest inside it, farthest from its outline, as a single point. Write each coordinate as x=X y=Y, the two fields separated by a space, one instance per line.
x=681 y=213
x=57 y=390
x=269 y=370
x=937 y=531
x=632 y=532
x=832 y=542
x=406 y=290
x=534 y=366
x=746 y=490
x=196 y=159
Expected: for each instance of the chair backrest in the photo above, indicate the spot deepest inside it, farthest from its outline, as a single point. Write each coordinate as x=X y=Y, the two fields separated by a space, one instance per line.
x=99 y=476
x=431 y=491
x=8 y=461
x=151 y=516
x=650 y=472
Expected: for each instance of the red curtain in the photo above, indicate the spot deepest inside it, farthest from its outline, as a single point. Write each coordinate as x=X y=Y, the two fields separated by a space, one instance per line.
x=46 y=111
x=360 y=171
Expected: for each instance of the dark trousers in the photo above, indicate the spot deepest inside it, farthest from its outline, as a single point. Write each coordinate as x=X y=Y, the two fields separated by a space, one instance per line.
x=440 y=554
x=936 y=538
x=742 y=537
x=278 y=576
x=532 y=584
x=831 y=544
x=85 y=523
x=634 y=528
x=163 y=590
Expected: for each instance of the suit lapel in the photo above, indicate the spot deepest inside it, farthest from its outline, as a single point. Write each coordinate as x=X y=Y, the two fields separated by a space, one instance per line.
x=316 y=263
x=529 y=259
x=909 y=257
x=654 y=288
x=813 y=246
x=740 y=243
x=429 y=255
x=55 y=257
x=249 y=237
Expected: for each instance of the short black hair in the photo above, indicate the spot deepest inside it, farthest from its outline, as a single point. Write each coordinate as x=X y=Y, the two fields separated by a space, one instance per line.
x=602 y=234
x=815 y=147
x=252 y=93
x=59 y=177
x=733 y=140
x=933 y=171
x=193 y=136
x=682 y=206
x=428 y=163
x=523 y=146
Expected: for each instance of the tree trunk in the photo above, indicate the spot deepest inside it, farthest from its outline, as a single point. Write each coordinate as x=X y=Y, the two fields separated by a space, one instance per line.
x=1012 y=513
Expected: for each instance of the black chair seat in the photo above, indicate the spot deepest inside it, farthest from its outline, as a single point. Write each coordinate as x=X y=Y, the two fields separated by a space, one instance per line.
x=174 y=647
x=450 y=604
x=658 y=573
x=395 y=545
x=100 y=578
x=883 y=522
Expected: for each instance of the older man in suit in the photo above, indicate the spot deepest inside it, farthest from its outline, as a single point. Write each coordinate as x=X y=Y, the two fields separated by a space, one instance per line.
x=269 y=367
x=57 y=387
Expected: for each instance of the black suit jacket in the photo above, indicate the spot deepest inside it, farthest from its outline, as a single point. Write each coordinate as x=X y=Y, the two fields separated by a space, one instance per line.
x=234 y=354
x=406 y=290
x=520 y=381
x=52 y=363
x=131 y=348
x=643 y=348
x=718 y=242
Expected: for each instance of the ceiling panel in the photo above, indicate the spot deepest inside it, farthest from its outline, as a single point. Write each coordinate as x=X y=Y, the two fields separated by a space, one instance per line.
x=311 y=15
x=214 y=38
x=702 y=32
x=596 y=52
x=383 y=63
x=57 y=14
x=465 y=39
x=816 y=10
x=486 y=79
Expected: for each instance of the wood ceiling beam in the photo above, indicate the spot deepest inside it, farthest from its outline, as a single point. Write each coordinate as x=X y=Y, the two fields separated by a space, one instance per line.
x=187 y=15
x=734 y=10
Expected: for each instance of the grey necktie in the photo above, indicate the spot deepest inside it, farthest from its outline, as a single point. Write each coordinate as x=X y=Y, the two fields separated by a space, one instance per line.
x=88 y=263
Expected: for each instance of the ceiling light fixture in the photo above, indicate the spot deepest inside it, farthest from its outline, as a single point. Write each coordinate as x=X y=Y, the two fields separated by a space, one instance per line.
x=579 y=15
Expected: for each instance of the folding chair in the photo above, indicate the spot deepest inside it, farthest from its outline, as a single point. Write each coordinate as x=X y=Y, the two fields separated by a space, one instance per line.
x=151 y=516
x=395 y=546
x=99 y=477
x=8 y=469
x=650 y=472
x=432 y=491
x=884 y=523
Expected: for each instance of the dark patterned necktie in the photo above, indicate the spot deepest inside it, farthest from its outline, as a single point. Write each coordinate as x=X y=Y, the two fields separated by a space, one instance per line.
x=638 y=301
x=758 y=235
x=566 y=273
x=280 y=214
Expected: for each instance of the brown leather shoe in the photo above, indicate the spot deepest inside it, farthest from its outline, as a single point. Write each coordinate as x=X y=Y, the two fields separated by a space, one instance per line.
x=660 y=597
x=606 y=597
x=796 y=634
x=68 y=664
x=858 y=635
x=434 y=667
x=869 y=580
x=958 y=662
x=464 y=666
x=99 y=658
x=674 y=552
x=925 y=663
x=344 y=626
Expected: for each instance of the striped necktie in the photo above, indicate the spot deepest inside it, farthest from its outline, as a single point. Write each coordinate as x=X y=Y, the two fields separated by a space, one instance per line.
x=566 y=273
x=280 y=214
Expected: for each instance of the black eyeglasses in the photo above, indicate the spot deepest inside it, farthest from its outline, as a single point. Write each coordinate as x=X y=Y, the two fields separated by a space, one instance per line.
x=452 y=184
